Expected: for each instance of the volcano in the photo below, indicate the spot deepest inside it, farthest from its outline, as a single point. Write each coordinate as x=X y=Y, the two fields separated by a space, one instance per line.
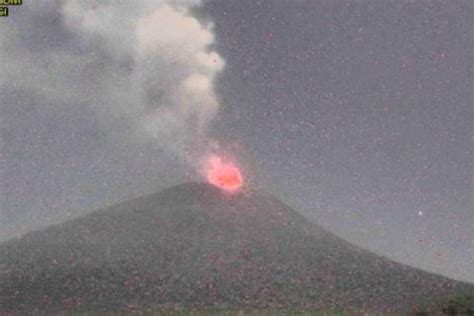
x=195 y=244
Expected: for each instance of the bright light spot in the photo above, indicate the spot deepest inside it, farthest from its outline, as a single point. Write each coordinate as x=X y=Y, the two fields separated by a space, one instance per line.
x=420 y=213
x=223 y=174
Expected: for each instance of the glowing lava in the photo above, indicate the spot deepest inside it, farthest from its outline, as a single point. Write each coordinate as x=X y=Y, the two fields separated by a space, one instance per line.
x=223 y=174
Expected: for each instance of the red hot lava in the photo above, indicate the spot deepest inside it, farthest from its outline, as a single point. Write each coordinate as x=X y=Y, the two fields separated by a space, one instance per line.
x=223 y=174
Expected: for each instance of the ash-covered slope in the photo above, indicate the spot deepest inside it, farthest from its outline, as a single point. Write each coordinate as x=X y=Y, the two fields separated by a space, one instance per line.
x=194 y=244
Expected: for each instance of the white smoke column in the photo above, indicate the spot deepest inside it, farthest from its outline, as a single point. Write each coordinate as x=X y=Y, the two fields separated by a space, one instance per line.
x=108 y=86
x=168 y=92
x=186 y=93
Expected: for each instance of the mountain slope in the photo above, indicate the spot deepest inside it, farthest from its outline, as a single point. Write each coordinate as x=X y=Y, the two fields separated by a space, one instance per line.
x=194 y=244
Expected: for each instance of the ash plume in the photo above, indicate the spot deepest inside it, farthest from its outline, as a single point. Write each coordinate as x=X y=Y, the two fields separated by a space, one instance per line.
x=144 y=67
x=101 y=101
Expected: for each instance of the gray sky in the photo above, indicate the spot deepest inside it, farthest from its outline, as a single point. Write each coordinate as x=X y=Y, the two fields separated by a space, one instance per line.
x=356 y=113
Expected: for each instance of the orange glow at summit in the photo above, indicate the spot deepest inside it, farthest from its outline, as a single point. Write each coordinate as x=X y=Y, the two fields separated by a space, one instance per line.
x=223 y=174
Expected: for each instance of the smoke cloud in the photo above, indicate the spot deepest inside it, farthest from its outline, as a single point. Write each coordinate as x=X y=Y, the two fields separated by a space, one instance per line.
x=100 y=101
x=144 y=67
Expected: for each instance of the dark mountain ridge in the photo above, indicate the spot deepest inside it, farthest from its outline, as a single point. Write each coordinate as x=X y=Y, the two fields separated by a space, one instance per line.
x=194 y=244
